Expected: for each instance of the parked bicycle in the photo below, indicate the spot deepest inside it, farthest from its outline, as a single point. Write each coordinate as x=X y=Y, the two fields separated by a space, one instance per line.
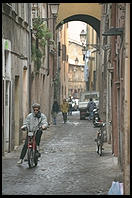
x=100 y=138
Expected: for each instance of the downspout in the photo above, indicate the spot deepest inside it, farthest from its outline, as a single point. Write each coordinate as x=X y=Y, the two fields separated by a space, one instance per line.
x=48 y=44
x=48 y=72
x=126 y=164
x=30 y=46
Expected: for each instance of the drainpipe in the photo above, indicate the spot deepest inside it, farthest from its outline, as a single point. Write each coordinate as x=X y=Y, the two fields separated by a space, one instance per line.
x=48 y=71
x=30 y=45
x=48 y=44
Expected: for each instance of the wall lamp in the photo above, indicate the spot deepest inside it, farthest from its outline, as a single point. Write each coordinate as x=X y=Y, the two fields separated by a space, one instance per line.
x=83 y=37
x=54 y=10
x=96 y=46
x=83 y=41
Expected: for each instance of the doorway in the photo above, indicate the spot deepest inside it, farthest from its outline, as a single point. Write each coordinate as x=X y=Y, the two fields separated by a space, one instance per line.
x=7 y=116
x=16 y=103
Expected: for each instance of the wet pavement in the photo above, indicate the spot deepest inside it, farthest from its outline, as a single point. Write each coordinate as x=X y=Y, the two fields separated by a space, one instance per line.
x=69 y=164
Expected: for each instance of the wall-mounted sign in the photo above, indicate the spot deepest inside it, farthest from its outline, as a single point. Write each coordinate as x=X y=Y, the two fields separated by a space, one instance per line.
x=6 y=45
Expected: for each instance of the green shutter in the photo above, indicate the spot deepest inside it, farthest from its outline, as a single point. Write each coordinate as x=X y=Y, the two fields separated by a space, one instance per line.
x=6 y=45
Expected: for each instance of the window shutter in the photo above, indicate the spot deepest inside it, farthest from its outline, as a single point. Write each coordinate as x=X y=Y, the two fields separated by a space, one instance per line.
x=59 y=48
x=63 y=52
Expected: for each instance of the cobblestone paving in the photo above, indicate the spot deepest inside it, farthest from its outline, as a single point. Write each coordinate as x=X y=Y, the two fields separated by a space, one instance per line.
x=69 y=164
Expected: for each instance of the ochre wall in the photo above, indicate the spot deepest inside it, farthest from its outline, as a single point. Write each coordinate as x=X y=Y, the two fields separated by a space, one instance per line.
x=70 y=9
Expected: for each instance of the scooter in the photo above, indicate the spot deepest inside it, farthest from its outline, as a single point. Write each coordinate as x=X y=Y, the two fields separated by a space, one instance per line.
x=96 y=119
x=100 y=139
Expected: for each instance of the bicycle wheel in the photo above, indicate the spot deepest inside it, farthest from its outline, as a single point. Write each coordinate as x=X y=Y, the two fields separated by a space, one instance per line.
x=35 y=158
x=30 y=157
x=100 y=150
x=97 y=149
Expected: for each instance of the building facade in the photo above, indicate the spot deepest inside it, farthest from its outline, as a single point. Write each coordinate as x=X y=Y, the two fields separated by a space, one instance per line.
x=28 y=66
x=16 y=53
x=63 y=61
x=43 y=53
x=76 y=82
x=81 y=70
x=115 y=93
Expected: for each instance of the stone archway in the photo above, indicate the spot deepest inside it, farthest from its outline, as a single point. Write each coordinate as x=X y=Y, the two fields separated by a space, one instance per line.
x=87 y=12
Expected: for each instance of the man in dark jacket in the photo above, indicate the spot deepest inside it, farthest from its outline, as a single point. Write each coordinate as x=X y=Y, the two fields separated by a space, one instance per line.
x=55 y=110
x=90 y=107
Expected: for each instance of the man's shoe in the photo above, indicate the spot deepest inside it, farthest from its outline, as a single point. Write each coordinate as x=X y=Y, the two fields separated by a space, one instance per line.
x=38 y=154
x=38 y=148
x=20 y=161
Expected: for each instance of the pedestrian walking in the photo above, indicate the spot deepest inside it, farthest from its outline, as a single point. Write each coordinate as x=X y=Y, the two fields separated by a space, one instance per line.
x=70 y=106
x=55 y=110
x=64 y=110
x=91 y=105
x=31 y=122
x=75 y=106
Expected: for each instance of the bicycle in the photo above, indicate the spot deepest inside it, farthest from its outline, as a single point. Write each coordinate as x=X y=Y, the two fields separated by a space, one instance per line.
x=32 y=152
x=100 y=139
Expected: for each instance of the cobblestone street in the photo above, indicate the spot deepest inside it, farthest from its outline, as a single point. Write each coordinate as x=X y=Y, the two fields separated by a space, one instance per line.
x=69 y=164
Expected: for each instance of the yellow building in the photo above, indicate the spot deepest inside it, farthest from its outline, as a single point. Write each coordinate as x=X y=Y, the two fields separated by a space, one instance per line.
x=63 y=62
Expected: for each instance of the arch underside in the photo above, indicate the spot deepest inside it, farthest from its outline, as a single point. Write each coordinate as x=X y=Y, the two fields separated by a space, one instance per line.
x=92 y=21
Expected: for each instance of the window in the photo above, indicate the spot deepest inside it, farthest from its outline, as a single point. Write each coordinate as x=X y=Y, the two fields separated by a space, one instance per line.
x=63 y=52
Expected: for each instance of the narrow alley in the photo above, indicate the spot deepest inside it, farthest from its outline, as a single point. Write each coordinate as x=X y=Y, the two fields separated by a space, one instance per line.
x=69 y=164
x=76 y=52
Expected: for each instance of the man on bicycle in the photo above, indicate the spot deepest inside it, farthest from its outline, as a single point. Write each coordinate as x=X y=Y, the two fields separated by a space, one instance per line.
x=33 y=120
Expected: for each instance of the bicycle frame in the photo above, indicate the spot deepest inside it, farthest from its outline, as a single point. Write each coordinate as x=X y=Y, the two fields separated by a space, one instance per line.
x=32 y=153
x=32 y=148
x=32 y=142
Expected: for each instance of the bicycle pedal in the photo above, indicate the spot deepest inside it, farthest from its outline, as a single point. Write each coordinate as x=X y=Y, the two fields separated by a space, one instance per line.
x=38 y=154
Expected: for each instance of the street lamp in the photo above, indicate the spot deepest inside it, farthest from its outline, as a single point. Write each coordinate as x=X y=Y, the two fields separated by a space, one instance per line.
x=83 y=40
x=54 y=8
x=83 y=37
x=84 y=52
